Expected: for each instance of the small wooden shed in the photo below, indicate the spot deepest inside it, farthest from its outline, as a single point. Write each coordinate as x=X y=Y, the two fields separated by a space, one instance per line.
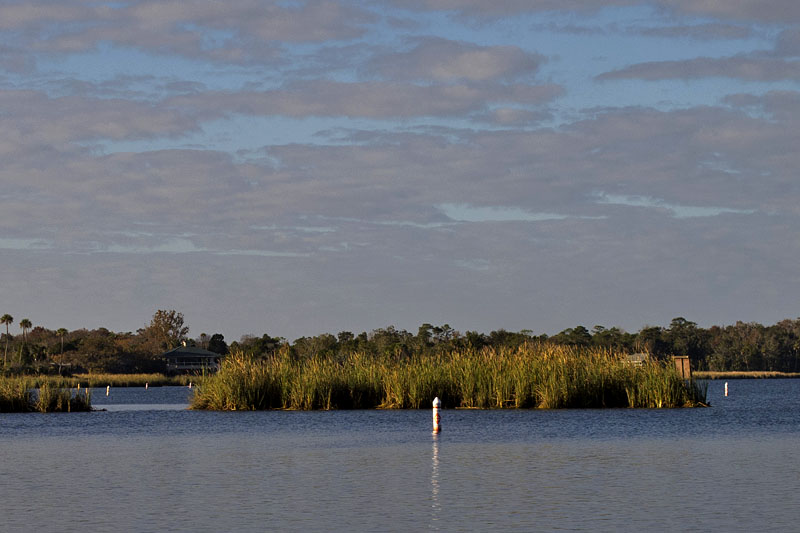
x=683 y=366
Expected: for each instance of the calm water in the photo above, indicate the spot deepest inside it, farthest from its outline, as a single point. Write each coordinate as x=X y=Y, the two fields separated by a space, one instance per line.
x=148 y=464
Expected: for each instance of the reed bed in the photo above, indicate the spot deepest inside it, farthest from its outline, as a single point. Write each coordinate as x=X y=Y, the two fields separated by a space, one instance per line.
x=532 y=376
x=24 y=394
x=129 y=380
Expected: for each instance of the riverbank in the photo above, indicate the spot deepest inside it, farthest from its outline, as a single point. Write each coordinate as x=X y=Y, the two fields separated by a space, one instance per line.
x=744 y=375
x=532 y=376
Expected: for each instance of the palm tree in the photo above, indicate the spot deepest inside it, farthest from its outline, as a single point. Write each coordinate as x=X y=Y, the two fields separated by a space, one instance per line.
x=6 y=319
x=25 y=324
x=61 y=332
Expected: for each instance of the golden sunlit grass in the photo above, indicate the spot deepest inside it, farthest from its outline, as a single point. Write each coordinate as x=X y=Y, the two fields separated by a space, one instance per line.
x=532 y=376
x=744 y=375
x=24 y=394
x=129 y=380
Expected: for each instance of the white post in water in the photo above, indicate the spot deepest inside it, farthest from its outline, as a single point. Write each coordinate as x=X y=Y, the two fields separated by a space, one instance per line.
x=437 y=419
x=190 y=384
x=146 y=385
x=108 y=389
x=726 y=388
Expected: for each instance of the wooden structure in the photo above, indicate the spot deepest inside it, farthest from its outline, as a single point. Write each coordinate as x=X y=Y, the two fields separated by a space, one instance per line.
x=683 y=366
x=637 y=359
x=187 y=359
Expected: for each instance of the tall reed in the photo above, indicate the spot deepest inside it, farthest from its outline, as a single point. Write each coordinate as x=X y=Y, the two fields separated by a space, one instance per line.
x=535 y=375
x=24 y=394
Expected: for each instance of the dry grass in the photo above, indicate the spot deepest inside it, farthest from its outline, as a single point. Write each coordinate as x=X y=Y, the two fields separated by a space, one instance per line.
x=24 y=394
x=744 y=375
x=533 y=376
x=129 y=380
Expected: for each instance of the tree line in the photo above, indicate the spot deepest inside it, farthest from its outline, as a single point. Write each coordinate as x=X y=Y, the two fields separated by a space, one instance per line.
x=741 y=346
x=42 y=350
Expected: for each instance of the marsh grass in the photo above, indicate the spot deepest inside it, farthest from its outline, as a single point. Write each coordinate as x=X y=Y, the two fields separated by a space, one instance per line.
x=25 y=394
x=130 y=380
x=755 y=374
x=532 y=376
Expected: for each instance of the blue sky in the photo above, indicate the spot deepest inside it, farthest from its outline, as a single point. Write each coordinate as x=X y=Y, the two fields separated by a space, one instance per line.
x=295 y=168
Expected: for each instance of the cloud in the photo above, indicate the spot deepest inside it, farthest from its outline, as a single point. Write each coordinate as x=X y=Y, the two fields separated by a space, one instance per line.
x=479 y=8
x=448 y=61
x=16 y=60
x=512 y=116
x=470 y=213
x=321 y=98
x=788 y=43
x=441 y=166
x=728 y=159
x=771 y=11
x=31 y=120
x=242 y=32
x=678 y=211
x=702 y=32
x=744 y=68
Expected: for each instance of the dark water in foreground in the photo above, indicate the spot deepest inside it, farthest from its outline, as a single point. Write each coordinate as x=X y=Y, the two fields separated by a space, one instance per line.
x=148 y=464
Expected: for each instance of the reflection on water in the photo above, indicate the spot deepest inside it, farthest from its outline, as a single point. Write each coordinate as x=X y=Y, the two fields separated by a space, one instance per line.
x=733 y=466
x=436 y=507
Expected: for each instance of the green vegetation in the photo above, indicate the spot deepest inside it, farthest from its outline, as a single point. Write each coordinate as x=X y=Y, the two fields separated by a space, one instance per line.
x=25 y=394
x=534 y=375
x=40 y=351
x=739 y=347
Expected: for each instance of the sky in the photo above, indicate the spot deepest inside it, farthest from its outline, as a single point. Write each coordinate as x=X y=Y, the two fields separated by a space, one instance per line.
x=302 y=167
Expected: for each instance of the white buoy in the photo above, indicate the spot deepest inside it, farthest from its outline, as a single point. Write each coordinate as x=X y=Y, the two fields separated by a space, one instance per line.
x=190 y=384
x=146 y=385
x=726 y=388
x=108 y=389
x=437 y=419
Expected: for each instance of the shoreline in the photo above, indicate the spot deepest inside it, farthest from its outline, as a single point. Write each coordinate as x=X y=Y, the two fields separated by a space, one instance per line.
x=744 y=374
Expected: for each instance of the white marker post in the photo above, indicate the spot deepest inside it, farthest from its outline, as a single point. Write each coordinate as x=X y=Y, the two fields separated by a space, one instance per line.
x=108 y=389
x=437 y=419
x=726 y=388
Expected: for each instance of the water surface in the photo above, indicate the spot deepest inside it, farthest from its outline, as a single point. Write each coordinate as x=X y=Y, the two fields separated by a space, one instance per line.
x=148 y=464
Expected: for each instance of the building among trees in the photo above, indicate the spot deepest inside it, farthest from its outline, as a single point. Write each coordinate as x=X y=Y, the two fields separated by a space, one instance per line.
x=185 y=359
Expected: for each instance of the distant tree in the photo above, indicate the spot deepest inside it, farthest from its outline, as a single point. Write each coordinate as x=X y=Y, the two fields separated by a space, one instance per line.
x=25 y=324
x=501 y=338
x=203 y=340
x=217 y=344
x=577 y=336
x=685 y=338
x=611 y=338
x=475 y=340
x=61 y=332
x=166 y=331
x=650 y=339
x=390 y=341
x=6 y=319
x=444 y=333
x=424 y=336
